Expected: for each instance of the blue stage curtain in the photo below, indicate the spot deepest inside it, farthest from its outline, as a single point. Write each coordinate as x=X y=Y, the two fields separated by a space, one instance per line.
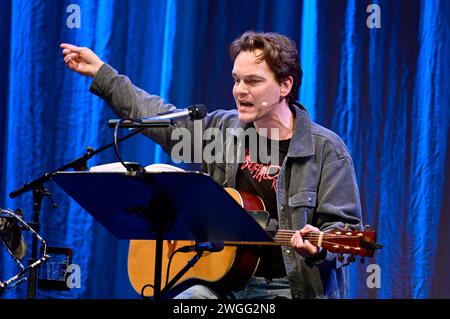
x=384 y=90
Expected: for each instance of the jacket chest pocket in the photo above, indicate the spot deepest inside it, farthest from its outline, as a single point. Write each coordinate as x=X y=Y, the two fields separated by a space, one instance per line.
x=302 y=205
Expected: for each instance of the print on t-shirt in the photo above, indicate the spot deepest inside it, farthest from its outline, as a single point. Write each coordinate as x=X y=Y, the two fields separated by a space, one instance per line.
x=261 y=172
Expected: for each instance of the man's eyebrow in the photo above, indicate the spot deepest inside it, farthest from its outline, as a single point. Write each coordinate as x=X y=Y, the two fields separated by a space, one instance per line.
x=249 y=76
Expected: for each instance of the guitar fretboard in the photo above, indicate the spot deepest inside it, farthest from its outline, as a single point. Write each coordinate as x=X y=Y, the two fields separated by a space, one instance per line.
x=282 y=238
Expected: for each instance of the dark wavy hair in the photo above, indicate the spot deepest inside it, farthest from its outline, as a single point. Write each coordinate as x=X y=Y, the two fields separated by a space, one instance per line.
x=279 y=52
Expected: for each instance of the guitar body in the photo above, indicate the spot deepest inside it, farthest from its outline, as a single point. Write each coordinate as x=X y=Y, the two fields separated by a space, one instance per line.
x=226 y=270
x=211 y=267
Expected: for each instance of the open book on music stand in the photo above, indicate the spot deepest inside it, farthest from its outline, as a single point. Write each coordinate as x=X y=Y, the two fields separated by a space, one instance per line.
x=161 y=206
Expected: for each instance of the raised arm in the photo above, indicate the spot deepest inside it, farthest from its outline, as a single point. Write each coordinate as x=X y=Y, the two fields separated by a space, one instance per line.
x=126 y=99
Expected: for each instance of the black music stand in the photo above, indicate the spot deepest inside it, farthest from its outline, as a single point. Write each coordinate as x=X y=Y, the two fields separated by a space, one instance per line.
x=161 y=206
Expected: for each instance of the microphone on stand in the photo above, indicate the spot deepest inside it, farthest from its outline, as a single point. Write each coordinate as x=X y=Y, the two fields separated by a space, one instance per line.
x=212 y=246
x=194 y=112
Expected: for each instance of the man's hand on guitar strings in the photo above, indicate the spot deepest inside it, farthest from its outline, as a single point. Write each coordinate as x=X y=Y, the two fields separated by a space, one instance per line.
x=304 y=247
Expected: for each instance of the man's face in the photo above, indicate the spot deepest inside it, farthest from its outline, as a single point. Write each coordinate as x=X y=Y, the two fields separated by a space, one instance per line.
x=256 y=91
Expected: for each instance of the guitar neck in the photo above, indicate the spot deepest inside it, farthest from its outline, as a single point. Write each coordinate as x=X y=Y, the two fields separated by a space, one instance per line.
x=340 y=241
x=283 y=238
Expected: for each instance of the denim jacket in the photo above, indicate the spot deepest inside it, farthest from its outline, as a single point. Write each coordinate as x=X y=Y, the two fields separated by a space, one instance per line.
x=316 y=185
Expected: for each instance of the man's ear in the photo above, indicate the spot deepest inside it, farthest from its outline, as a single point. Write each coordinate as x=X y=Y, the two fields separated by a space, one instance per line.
x=286 y=86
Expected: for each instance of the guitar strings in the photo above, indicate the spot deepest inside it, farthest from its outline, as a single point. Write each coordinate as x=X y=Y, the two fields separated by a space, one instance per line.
x=324 y=235
x=287 y=231
x=285 y=235
x=285 y=242
x=324 y=241
x=315 y=235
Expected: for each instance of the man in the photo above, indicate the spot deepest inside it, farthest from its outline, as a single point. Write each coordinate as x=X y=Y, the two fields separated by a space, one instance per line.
x=311 y=188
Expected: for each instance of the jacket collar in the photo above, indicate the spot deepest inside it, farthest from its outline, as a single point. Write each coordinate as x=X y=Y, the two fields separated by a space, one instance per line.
x=301 y=144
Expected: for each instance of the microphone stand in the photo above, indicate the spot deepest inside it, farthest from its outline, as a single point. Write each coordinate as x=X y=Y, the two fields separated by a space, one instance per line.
x=39 y=190
x=185 y=269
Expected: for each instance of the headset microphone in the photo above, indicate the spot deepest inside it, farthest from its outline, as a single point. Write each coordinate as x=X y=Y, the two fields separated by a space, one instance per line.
x=266 y=104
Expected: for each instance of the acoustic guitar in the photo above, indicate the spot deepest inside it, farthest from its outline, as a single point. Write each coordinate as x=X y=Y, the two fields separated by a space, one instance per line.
x=231 y=268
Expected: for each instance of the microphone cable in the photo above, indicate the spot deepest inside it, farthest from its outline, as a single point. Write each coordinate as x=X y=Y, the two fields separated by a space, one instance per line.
x=116 y=144
x=167 y=276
